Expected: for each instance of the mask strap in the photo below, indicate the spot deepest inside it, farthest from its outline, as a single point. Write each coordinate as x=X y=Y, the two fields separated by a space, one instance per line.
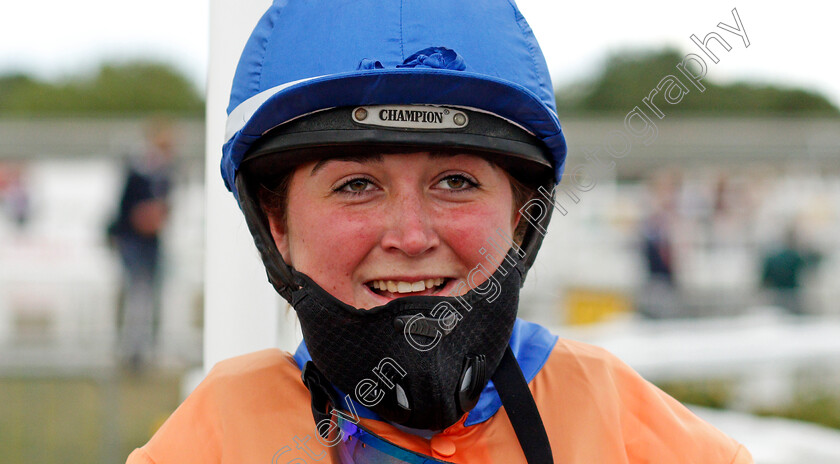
x=324 y=397
x=522 y=410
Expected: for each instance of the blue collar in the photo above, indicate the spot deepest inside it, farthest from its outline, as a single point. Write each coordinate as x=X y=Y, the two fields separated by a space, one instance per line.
x=531 y=344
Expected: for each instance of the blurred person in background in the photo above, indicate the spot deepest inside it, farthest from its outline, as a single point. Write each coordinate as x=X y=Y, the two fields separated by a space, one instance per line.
x=135 y=233
x=14 y=194
x=658 y=298
x=783 y=270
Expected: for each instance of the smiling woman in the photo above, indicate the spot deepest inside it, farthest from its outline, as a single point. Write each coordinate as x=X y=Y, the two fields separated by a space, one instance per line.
x=403 y=220
x=385 y=190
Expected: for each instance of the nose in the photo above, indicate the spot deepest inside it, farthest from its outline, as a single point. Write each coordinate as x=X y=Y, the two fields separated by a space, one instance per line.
x=410 y=227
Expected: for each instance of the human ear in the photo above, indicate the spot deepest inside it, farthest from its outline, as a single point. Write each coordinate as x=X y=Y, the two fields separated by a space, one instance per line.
x=279 y=232
x=517 y=234
x=517 y=216
x=518 y=226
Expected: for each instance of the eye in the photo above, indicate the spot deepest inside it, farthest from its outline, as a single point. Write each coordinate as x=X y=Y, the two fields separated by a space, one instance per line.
x=457 y=182
x=356 y=186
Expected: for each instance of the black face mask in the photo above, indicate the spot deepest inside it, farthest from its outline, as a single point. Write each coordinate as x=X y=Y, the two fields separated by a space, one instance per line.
x=418 y=361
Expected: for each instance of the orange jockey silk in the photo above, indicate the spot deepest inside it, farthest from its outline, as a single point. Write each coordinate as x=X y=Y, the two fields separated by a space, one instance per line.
x=254 y=409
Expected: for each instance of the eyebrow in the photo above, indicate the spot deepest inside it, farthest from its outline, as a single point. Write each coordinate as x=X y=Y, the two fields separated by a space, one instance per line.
x=377 y=157
x=353 y=158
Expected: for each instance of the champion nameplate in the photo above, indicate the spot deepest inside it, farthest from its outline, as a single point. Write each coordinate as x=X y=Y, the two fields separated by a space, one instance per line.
x=411 y=117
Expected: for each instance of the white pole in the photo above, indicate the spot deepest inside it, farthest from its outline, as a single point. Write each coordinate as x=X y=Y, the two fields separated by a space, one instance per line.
x=240 y=306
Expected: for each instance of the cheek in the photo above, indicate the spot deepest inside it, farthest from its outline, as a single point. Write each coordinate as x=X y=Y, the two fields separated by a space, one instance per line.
x=329 y=245
x=467 y=230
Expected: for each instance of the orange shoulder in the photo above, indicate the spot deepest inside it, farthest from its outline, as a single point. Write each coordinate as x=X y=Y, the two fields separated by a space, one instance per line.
x=263 y=370
x=587 y=396
x=247 y=409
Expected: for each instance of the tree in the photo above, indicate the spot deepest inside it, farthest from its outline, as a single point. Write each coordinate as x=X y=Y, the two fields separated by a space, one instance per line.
x=133 y=88
x=628 y=77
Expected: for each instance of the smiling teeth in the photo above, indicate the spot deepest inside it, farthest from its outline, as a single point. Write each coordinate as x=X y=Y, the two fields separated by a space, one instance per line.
x=397 y=286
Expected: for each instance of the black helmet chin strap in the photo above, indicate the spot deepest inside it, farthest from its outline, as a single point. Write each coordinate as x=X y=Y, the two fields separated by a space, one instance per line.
x=522 y=410
x=276 y=269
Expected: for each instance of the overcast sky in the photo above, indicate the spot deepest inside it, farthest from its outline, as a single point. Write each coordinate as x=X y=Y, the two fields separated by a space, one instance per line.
x=791 y=43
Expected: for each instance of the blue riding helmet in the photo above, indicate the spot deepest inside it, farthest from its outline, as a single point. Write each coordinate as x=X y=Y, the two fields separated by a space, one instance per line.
x=308 y=56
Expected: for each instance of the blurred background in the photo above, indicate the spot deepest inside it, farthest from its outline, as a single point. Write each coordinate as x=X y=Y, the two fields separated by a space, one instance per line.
x=708 y=259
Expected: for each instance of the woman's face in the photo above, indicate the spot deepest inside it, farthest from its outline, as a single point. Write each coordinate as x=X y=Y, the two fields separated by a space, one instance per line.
x=372 y=229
